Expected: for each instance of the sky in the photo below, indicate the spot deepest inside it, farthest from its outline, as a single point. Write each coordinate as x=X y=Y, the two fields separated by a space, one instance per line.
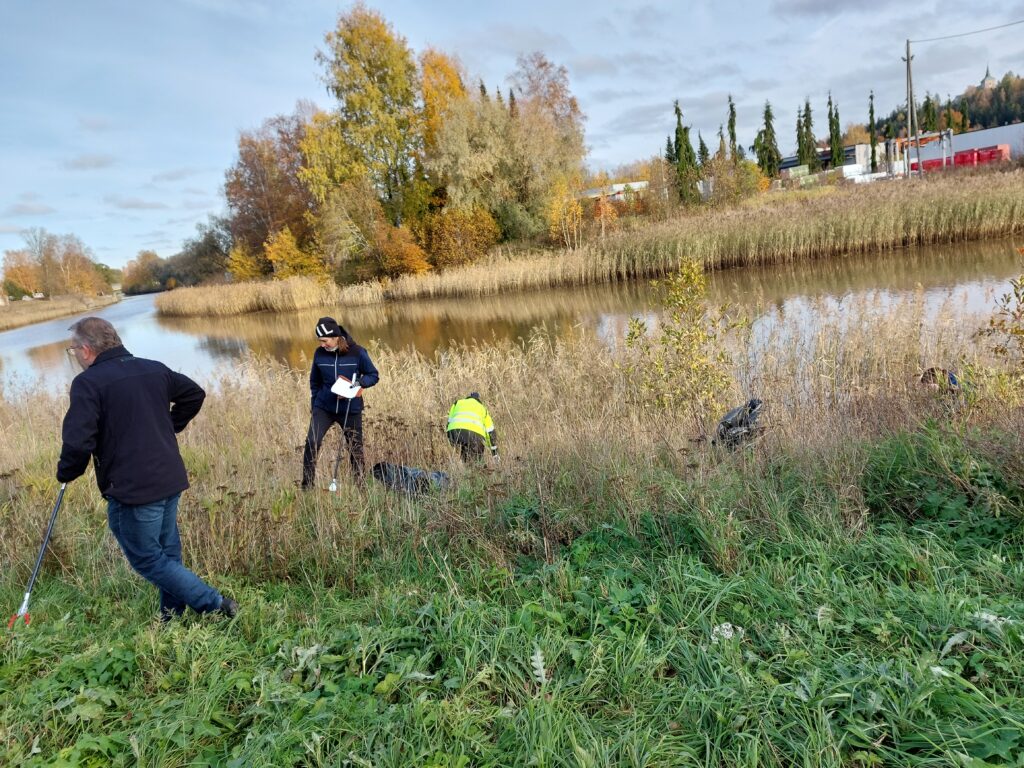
x=118 y=118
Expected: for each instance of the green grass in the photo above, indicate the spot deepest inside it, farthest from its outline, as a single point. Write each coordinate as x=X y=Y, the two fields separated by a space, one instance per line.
x=545 y=626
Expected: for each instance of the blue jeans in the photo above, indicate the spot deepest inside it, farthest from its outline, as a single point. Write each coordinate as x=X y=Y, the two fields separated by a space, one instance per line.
x=148 y=535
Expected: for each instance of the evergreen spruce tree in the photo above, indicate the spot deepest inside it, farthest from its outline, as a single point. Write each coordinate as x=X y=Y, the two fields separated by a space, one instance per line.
x=965 y=123
x=733 y=155
x=686 y=161
x=835 y=135
x=801 y=149
x=703 y=154
x=766 y=147
x=949 y=113
x=810 y=143
x=513 y=110
x=670 y=152
x=722 y=151
x=483 y=90
x=872 y=132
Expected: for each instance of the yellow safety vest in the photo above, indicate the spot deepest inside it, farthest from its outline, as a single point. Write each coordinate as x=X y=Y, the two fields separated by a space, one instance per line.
x=471 y=415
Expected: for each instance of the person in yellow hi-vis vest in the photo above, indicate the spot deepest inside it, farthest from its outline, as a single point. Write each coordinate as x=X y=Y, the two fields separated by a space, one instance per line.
x=471 y=429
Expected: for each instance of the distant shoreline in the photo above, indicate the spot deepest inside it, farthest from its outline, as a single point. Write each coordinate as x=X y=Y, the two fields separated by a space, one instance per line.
x=19 y=314
x=783 y=228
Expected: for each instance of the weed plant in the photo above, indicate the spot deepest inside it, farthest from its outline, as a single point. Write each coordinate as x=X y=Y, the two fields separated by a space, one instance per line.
x=846 y=591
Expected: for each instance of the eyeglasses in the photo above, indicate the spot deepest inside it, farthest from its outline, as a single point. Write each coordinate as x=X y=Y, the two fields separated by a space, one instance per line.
x=71 y=350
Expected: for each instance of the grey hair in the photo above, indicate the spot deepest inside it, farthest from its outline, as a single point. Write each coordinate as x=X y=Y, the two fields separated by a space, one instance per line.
x=95 y=333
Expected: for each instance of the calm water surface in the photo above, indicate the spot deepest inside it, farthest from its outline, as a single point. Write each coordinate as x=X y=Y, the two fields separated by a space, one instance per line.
x=963 y=278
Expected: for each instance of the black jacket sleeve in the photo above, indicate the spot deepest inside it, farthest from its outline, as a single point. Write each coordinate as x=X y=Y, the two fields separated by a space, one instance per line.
x=315 y=381
x=368 y=375
x=186 y=399
x=79 y=433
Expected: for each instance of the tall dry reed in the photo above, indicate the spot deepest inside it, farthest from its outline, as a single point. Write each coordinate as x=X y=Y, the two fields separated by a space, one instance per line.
x=571 y=427
x=779 y=229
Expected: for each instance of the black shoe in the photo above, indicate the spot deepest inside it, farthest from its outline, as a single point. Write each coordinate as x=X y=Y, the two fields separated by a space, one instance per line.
x=228 y=607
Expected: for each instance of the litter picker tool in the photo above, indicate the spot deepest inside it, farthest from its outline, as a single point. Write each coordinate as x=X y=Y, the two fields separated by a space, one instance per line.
x=23 y=610
x=333 y=487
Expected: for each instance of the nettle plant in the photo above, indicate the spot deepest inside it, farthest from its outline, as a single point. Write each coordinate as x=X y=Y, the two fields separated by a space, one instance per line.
x=683 y=366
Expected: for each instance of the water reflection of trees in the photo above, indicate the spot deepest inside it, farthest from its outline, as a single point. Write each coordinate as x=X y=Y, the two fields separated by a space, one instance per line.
x=429 y=325
x=901 y=270
x=424 y=325
x=47 y=356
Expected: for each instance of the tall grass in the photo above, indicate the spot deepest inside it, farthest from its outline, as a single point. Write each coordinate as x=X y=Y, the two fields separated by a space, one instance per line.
x=570 y=604
x=19 y=313
x=778 y=229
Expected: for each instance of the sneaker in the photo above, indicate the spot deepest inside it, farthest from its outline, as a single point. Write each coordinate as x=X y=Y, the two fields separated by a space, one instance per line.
x=228 y=607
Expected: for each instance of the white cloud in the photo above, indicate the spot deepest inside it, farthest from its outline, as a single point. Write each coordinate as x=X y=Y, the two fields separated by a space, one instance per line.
x=94 y=124
x=89 y=162
x=29 y=209
x=133 y=203
x=176 y=174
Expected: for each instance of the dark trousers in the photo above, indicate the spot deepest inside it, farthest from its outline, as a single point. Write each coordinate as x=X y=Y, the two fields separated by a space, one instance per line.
x=148 y=535
x=471 y=445
x=352 y=429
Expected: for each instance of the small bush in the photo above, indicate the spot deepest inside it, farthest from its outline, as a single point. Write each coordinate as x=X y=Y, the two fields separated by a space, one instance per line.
x=933 y=476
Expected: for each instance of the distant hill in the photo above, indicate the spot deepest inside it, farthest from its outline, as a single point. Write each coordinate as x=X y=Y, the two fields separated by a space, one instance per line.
x=989 y=104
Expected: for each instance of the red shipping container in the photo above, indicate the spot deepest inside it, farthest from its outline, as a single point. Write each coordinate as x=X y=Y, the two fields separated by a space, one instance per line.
x=966 y=157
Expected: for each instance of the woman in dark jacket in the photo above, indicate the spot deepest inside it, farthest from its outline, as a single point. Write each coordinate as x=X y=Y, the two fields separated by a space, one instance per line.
x=338 y=357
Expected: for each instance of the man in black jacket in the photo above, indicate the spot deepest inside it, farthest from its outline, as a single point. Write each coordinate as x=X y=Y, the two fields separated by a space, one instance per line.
x=125 y=412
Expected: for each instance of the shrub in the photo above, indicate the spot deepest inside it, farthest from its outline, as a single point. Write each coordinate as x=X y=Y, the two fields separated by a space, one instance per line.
x=517 y=223
x=454 y=237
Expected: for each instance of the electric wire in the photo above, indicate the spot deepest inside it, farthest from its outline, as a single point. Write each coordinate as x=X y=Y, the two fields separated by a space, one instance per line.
x=965 y=34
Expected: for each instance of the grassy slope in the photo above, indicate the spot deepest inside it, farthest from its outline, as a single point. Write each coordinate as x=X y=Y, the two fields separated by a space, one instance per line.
x=883 y=645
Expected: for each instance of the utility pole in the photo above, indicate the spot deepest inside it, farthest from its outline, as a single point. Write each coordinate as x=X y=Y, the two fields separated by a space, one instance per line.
x=912 y=123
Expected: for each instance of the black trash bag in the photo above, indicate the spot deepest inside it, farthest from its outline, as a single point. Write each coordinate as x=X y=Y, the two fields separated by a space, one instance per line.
x=409 y=480
x=739 y=425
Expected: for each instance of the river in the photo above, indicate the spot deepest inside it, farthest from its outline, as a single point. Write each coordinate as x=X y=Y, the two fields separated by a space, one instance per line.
x=967 y=276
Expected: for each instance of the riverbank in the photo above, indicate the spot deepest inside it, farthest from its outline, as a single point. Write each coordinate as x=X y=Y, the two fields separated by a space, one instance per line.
x=776 y=228
x=849 y=584
x=22 y=313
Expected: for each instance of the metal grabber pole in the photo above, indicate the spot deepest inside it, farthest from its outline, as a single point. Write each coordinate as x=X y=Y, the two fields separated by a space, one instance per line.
x=23 y=610
x=333 y=487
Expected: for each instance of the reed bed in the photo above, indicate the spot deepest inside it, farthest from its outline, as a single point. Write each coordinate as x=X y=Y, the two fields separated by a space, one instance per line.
x=20 y=313
x=780 y=229
x=831 y=377
x=843 y=591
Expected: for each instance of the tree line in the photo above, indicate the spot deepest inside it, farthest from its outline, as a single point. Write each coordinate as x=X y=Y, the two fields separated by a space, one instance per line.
x=414 y=166
x=976 y=107
x=55 y=265
x=733 y=176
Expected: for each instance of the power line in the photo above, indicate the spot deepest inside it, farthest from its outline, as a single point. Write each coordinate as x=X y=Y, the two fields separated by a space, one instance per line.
x=965 y=34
